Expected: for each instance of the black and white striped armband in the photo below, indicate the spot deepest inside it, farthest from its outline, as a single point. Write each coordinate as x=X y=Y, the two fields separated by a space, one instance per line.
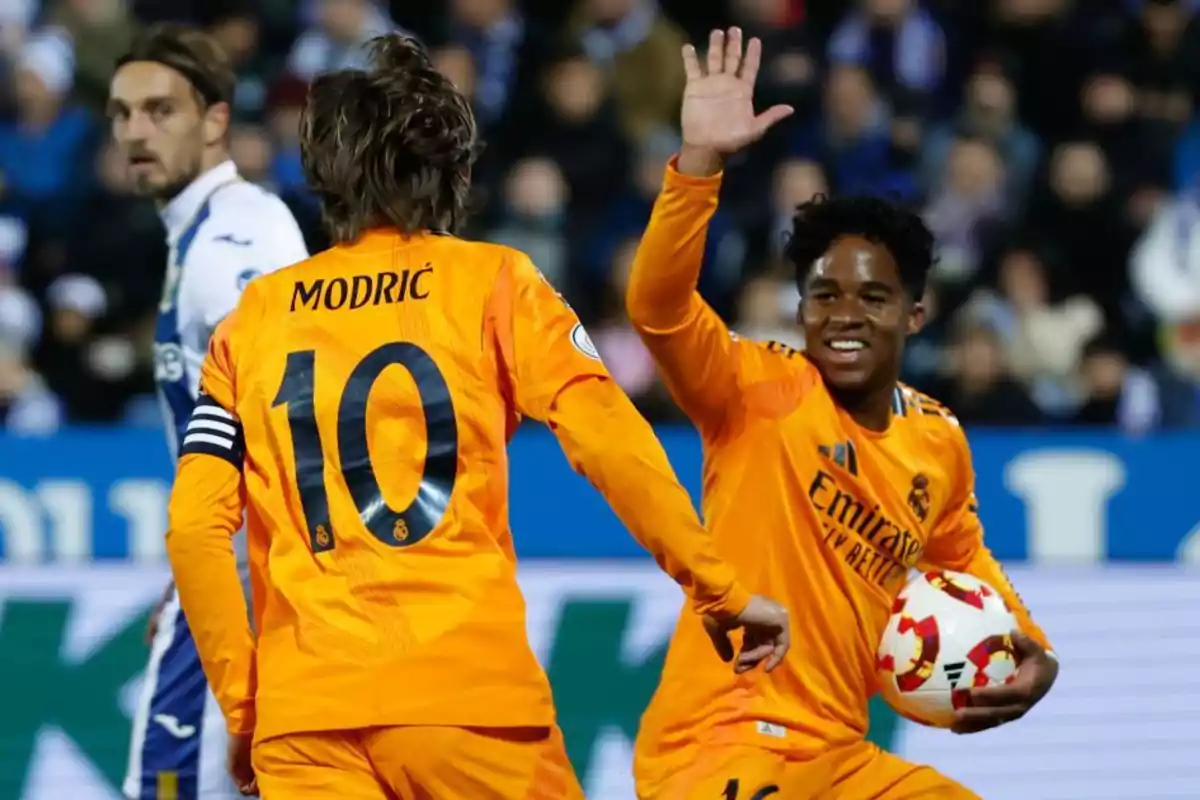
x=213 y=431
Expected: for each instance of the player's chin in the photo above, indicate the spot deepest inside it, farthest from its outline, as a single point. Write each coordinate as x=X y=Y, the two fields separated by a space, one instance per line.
x=845 y=374
x=847 y=382
x=149 y=184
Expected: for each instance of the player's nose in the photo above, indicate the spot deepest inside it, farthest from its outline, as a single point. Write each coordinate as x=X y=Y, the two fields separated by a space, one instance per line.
x=845 y=319
x=846 y=312
x=138 y=128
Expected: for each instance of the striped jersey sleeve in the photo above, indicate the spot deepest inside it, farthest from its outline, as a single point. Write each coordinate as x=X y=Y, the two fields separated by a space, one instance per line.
x=214 y=431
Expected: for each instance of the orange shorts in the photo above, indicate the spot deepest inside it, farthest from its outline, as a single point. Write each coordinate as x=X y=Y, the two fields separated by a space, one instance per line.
x=741 y=772
x=417 y=762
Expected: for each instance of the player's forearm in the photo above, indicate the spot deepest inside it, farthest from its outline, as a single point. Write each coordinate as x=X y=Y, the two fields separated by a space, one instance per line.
x=691 y=345
x=983 y=565
x=607 y=441
x=211 y=596
x=662 y=284
x=205 y=511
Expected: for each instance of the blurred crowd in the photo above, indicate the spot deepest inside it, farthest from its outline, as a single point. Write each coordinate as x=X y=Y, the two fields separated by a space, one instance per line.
x=1053 y=147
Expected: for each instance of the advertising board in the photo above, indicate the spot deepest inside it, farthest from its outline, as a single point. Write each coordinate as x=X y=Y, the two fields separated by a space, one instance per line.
x=1120 y=725
x=1044 y=497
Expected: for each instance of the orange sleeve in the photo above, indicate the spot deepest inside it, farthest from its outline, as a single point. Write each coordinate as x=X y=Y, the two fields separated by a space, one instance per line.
x=957 y=542
x=205 y=512
x=556 y=376
x=696 y=354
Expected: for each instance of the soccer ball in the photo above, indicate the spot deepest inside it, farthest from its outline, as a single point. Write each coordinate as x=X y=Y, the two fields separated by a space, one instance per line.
x=948 y=633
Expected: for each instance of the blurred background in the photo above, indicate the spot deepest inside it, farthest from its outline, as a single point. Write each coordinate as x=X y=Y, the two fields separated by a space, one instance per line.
x=1053 y=146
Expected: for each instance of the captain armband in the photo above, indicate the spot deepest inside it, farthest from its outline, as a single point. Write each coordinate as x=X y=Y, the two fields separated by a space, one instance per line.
x=214 y=431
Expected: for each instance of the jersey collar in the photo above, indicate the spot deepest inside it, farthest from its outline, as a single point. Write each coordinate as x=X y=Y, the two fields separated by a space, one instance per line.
x=183 y=207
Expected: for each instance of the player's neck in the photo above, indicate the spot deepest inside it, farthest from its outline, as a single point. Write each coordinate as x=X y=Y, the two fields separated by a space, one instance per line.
x=212 y=157
x=871 y=408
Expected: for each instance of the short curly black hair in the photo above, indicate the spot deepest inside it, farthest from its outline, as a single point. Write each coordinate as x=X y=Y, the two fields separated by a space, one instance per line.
x=822 y=220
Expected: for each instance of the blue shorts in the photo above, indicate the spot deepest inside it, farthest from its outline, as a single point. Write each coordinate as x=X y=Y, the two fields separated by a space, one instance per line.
x=177 y=750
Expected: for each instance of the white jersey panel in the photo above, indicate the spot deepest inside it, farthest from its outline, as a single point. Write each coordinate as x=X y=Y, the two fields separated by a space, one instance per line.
x=238 y=232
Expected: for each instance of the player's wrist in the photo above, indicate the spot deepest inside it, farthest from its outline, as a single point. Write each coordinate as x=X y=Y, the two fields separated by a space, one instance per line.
x=699 y=162
x=241 y=725
x=727 y=606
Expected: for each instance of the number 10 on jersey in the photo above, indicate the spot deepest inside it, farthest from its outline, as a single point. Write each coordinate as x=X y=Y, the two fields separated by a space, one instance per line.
x=395 y=528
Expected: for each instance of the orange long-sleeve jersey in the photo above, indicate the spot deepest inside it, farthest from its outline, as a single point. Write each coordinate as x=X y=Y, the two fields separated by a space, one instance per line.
x=357 y=407
x=810 y=508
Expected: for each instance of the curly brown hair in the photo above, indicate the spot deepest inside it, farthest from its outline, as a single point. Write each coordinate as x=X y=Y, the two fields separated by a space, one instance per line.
x=391 y=146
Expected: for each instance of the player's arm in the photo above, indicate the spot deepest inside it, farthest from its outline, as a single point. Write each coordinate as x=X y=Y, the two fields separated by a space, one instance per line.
x=205 y=512
x=556 y=377
x=694 y=350
x=957 y=542
x=695 y=353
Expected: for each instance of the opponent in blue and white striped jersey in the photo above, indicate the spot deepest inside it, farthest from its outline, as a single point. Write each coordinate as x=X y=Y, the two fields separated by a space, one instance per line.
x=169 y=106
x=223 y=232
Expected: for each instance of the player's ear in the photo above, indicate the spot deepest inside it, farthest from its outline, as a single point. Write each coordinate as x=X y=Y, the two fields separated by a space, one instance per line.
x=216 y=123
x=916 y=318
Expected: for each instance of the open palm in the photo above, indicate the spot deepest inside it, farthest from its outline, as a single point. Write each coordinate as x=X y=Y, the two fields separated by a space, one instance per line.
x=718 y=103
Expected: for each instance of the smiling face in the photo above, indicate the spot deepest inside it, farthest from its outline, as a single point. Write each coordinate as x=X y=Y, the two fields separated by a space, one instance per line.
x=856 y=315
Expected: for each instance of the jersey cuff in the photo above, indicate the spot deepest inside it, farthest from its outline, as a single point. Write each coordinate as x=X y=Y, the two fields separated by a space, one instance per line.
x=213 y=431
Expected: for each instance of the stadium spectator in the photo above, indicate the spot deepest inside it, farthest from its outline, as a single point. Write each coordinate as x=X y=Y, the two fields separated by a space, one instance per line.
x=336 y=40
x=988 y=114
x=65 y=356
x=1043 y=336
x=506 y=49
x=966 y=213
x=576 y=125
x=796 y=181
x=1109 y=102
x=1052 y=145
x=284 y=102
x=17 y=18
x=115 y=241
x=1123 y=395
x=767 y=310
x=100 y=30
x=899 y=43
x=534 y=215
x=1165 y=274
x=789 y=70
x=238 y=30
x=27 y=406
x=1165 y=263
x=981 y=388
x=250 y=148
x=14 y=236
x=639 y=46
x=45 y=149
x=456 y=63
x=852 y=137
x=618 y=343
x=1078 y=217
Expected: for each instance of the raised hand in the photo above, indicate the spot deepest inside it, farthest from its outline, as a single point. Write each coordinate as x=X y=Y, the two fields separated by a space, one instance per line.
x=718 y=103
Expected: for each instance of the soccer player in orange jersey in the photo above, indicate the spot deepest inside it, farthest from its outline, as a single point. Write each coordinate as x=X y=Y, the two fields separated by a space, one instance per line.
x=825 y=481
x=356 y=407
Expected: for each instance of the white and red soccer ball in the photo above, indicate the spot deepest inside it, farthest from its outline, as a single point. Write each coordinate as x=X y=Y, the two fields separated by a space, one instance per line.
x=949 y=632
